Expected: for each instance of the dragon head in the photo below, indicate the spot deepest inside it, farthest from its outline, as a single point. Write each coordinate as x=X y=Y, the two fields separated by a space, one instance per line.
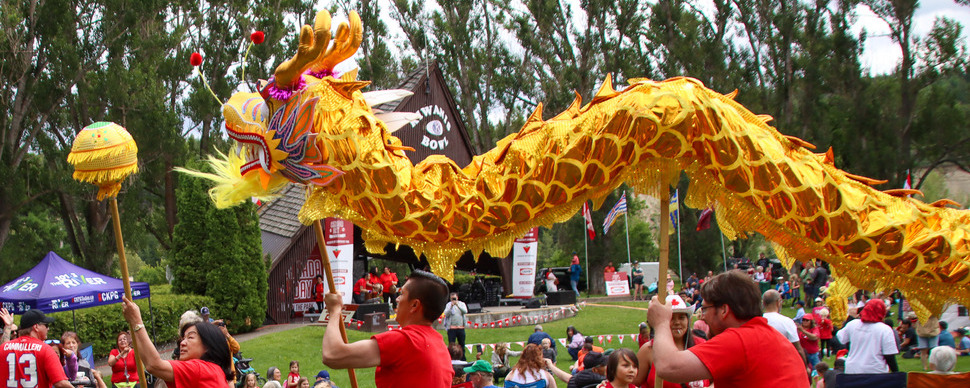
x=276 y=129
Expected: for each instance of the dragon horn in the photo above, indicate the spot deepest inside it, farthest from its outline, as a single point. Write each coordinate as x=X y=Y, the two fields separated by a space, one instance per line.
x=312 y=44
x=345 y=44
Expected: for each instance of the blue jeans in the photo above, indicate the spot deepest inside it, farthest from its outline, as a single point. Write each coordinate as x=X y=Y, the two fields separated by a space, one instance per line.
x=575 y=284
x=812 y=359
x=573 y=352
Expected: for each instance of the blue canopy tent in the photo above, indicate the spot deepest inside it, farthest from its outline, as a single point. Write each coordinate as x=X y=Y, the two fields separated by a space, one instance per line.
x=57 y=285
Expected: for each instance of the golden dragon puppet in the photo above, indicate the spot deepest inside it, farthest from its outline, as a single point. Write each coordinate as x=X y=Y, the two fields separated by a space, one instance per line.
x=311 y=126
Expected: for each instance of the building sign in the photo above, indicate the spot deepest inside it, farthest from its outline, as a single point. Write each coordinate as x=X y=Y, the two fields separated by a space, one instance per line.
x=436 y=126
x=524 y=253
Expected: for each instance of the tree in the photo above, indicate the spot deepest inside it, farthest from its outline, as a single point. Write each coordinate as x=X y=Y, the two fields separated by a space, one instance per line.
x=218 y=253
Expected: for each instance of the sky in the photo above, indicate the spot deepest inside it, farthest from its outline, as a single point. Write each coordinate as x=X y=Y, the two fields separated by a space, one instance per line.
x=880 y=54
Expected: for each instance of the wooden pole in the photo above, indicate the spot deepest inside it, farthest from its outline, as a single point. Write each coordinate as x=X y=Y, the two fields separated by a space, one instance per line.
x=120 y=242
x=322 y=246
x=664 y=255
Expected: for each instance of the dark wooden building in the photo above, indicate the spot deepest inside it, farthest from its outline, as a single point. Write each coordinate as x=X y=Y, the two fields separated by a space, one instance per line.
x=292 y=246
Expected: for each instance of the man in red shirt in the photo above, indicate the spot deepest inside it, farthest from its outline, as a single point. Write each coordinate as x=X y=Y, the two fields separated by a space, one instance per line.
x=744 y=351
x=414 y=356
x=32 y=362
x=389 y=280
x=361 y=289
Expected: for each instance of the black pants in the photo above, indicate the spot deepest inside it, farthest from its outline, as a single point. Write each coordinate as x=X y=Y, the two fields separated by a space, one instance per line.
x=458 y=335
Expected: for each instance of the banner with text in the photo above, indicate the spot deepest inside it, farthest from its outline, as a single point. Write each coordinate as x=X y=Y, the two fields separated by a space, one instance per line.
x=339 y=237
x=616 y=283
x=524 y=253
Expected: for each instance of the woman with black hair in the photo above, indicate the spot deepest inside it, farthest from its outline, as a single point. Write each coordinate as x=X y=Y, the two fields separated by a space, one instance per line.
x=204 y=359
x=680 y=329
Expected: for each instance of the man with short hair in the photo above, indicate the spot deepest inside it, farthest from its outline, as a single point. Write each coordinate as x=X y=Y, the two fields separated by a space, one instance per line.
x=455 y=322
x=771 y=300
x=414 y=356
x=743 y=350
x=537 y=336
x=480 y=374
x=30 y=362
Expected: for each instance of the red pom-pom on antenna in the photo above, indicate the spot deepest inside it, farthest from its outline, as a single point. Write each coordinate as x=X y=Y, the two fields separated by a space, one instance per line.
x=257 y=37
x=195 y=59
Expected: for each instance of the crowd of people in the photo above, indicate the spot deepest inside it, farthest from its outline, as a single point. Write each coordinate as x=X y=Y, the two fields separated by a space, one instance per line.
x=725 y=331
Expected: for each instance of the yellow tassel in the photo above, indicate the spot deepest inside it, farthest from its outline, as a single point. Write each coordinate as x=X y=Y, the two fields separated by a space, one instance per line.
x=231 y=188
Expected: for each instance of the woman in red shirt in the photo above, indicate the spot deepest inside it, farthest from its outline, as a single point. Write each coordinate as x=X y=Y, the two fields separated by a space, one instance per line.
x=389 y=280
x=680 y=328
x=122 y=361
x=204 y=359
x=808 y=338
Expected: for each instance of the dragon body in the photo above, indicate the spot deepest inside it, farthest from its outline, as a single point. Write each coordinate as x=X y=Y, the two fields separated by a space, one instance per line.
x=312 y=127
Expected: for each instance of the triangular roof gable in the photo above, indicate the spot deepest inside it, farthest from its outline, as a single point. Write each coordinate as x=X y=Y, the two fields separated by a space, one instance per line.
x=440 y=131
x=58 y=285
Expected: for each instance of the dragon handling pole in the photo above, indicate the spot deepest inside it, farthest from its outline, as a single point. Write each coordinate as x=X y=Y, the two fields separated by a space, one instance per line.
x=321 y=245
x=664 y=254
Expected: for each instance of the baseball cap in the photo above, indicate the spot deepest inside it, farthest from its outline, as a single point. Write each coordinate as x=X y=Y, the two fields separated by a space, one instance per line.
x=323 y=375
x=481 y=366
x=204 y=310
x=962 y=331
x=594 y=359
x=33 y=317
x=538 y=327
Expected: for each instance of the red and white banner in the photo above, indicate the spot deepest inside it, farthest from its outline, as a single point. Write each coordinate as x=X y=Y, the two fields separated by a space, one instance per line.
x=616 y=283
x=338 y=235
x=524 y=253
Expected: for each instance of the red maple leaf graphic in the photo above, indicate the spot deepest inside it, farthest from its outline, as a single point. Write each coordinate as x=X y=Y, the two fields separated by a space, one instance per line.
x=336 y=253
x=674 y=302
x=526 y=249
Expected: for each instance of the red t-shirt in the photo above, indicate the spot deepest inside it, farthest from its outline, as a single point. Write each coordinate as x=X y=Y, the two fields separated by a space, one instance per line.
x=610 y=385
x=122 y=365
x=33 y=363
x=752 y=355
x=319 y=288
x=414 y=356
x=361 y=286
x=388 y=280
x=825 y=329
x=810 y=346
x=197 y=374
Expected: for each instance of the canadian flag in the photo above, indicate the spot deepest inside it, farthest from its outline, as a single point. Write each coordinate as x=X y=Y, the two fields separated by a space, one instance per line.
x=634 y=336
x=609 y=338
x=589 y=222
x=601 y=340
x=621 y=338
x=469 y=347
x=562 y=341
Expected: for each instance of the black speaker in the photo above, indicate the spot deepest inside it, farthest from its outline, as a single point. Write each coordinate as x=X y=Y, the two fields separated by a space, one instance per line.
x=364 y=309
x=560 y=298
x=533 y=303
x=474 y=308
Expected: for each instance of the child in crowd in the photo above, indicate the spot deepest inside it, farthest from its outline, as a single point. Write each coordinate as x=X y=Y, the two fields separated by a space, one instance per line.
x=800 y=313
x=250 y=381
x=303 y=382
x=825 y=346
x=808 y=338
x=819 y=373
x=621 y=369
x=293 y=380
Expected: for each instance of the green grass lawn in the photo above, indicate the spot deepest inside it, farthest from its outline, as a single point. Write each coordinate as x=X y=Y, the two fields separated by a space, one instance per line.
x=303 y=344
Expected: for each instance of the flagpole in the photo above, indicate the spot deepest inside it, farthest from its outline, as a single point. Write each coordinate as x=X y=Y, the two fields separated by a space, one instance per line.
x=723 y=251
x=325 y=258
x=586 y=245
x=626 y=220
x=680 y=263
x=664 y=253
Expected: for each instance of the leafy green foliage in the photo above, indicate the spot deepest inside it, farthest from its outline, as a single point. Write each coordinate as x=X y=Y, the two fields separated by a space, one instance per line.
x=218 y=253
